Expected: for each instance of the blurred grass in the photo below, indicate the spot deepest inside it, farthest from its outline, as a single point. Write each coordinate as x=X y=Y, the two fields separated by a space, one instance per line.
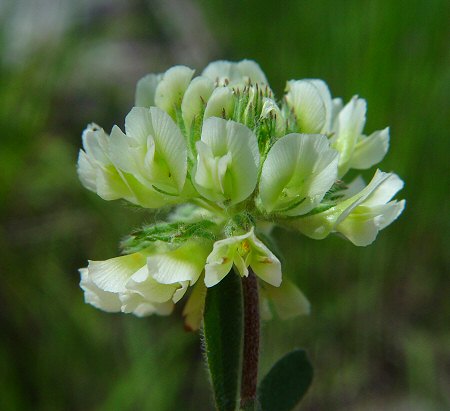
x=378 y=334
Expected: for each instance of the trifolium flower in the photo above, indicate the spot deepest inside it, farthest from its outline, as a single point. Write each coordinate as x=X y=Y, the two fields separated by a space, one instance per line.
x=310 y=101
x=242 y=251
x=297 y=173
x=227 y=73
x=153 y=150
x=228 y=161
x=309 y=108
x=227 y=151
x=146 y=282
x=357 y=150
x=361 y=216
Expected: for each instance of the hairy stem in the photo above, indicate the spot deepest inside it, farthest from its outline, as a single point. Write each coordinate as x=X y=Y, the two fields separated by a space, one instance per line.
x=251 y=342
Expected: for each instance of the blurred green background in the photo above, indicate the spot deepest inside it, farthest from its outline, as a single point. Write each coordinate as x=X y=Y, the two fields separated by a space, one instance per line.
x=379 y=333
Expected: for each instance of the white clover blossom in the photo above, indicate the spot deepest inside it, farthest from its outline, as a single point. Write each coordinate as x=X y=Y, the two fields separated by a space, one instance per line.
x=153 y=150
x=229 y=161
x=242 y=251
x=361 y=216
x=298 y=172
x=316 y=112
x=240 y=73
x=311 y=103
x=143 y=282
x=227 y=151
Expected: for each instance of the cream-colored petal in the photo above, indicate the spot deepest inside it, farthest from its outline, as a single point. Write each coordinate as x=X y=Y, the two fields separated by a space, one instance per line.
x=95 y=143
x=195 y=306
x=220 y=261
x=146 y=90
x=350 y=124
x=264 y=263
x=319 y=225
x=297 y=173
x=184 y=263
x=311 y=101
x=87 y=172
x=195 y=99
x=270 y=109
x=361 y=226
x=220 y=104
x=180 y=291
x=382 y=188
x=171 y=144
x=232 y=145
x=152 y=291
x=234 y=73
x=104 y=300
x=360 y=217
x=136 y=304
x=112 y=275
x=170 y=90
x=370 y=150
x=156 y=151
x=120 y=148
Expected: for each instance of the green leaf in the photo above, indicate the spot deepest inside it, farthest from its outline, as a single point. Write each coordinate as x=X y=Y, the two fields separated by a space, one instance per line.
x=286 y=383
x=223 y=328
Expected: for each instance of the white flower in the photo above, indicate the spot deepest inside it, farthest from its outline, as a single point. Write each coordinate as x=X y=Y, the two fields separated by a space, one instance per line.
x=99 y=173
x=96 y=169
x=164 y=90
x=195 y=99
x=170 y=90
x=104 y=300
x=227 y=161
x=146 y=166
x=271 y=109
x=220 y=104
x=357 y=150
x=146 y=90
x=153 y=150
x=297 y=173
x=360 y=217
x=243 y=251
x=312 y=105
x=105 y=286
x=235 y=73
x=146 y=282
x=316 y=112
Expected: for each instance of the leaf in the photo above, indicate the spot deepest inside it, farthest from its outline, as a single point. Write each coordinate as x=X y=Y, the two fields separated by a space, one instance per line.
x=222 y=330
x=286 y=383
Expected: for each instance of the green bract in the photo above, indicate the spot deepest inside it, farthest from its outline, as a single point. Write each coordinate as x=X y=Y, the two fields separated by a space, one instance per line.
x=228 y=161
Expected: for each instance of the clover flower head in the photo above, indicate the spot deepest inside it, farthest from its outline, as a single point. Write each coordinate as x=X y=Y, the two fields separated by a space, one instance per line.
x=228 y=161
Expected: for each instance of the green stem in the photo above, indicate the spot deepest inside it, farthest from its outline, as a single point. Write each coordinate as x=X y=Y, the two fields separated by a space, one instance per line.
x=222 y=330
x=251 y=342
